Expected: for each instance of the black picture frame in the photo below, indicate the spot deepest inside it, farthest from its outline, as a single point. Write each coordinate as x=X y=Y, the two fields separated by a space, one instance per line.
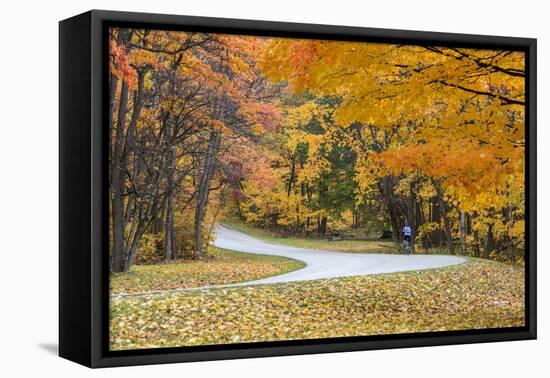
x=83 y=195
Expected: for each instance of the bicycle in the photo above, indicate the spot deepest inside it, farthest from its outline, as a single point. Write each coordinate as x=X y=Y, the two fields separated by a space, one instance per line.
x=408 y=247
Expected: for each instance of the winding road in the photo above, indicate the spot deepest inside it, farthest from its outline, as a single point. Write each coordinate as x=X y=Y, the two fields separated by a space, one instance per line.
x=319 y=263
x=326 y=264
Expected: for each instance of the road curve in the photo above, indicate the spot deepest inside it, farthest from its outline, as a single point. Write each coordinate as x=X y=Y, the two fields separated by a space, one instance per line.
x=326 y=264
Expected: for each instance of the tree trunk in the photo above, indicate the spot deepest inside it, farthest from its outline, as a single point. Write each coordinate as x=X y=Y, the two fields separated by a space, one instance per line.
x=292 y=177
x=113 y=83
x=323 y=226
x=169 y=237
x=396 y=217
x=134 y=245
x=462 y=233
x=476 y=243
x=119 y=165
x=489 y=242
x=420 y=220
x=356 y=217
x=204 y=186
x=117 y=185
x=123 y=150
x=446 y=221
x=411 y=211
x=169 y=234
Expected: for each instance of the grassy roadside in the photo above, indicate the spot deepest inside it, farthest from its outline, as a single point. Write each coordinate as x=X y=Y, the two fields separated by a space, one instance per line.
x=226 y=267
x=475 y=295
x=353 y=246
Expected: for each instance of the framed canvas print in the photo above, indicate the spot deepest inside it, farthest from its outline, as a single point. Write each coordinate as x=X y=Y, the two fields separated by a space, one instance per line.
x=234 y=188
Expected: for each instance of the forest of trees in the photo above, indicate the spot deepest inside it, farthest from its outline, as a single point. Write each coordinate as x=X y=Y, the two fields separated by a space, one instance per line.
x=310 y=137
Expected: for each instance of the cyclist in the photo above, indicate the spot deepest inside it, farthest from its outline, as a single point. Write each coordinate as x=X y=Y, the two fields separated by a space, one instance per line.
x=407 y=233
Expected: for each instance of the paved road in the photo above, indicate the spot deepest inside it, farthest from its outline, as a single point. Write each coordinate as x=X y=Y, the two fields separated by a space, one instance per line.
x=319 y=264
x=327 y=264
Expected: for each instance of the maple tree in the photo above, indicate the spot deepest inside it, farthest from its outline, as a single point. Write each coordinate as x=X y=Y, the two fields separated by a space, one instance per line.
x=428 y=124
x=180 y=100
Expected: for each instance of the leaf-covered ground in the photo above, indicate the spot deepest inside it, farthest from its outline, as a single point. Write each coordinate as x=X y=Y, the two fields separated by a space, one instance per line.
x=477 y=294
x=225 y=267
